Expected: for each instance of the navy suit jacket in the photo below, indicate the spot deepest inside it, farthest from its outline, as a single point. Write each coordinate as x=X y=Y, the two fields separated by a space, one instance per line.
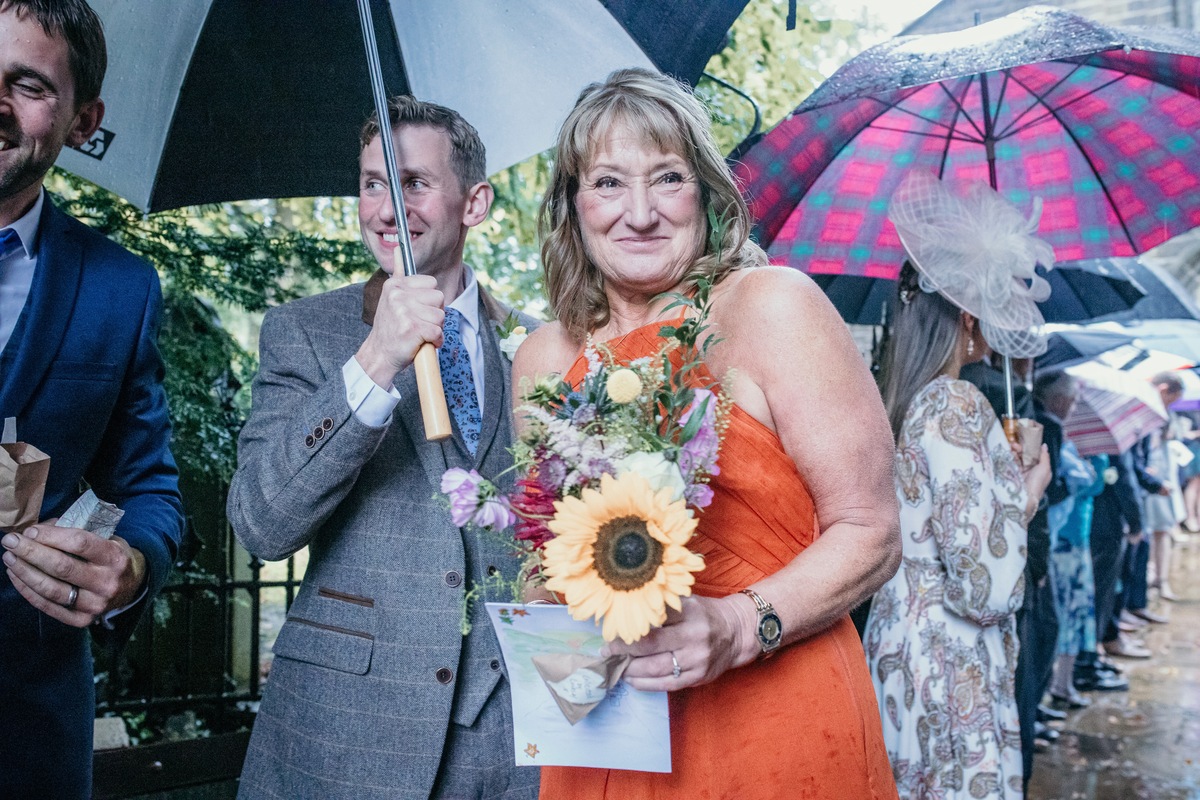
x=83 y=376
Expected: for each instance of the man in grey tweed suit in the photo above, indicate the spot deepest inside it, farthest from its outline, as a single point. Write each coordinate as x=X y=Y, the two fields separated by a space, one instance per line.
x=374 y=691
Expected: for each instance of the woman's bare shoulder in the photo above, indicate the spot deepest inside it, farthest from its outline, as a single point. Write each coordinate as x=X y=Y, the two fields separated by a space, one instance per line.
x=548 y=350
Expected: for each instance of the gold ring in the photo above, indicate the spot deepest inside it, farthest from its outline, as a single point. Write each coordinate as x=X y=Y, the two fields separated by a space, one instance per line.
x=675 y=670
x=71 y=598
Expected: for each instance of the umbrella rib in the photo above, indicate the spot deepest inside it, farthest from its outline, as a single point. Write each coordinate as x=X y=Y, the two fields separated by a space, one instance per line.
x=950 y=135
x=953 y=127
x=958 y=102
x=1017 y=120
x=936 y=123
x=1042 y=99
x=1087 y=159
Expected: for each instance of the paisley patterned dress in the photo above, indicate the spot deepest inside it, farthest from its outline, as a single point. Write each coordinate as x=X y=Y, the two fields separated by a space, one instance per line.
x=941 y=637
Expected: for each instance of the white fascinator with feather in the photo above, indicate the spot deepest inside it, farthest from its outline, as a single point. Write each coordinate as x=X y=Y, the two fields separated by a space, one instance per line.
x=978 y=251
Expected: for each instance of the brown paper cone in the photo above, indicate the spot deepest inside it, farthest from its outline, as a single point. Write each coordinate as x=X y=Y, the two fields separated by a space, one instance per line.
x=1029 y=434
x=578 y=683
x=23 y=471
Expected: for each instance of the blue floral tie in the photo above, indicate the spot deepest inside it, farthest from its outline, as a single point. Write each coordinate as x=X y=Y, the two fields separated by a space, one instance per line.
x=457 y=378
x=10 y=242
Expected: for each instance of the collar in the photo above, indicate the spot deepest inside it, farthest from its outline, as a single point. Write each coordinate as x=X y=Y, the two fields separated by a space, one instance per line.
x=467 y=302
x=28 y=225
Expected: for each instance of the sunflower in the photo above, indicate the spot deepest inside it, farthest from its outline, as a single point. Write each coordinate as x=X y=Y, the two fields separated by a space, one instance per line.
x=619 y=555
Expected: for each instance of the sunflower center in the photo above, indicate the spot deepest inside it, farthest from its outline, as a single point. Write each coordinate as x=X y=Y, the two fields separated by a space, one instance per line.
x=626 y=555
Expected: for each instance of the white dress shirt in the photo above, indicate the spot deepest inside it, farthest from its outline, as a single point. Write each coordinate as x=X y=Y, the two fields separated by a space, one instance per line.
x=16 y=270
x=373 y=404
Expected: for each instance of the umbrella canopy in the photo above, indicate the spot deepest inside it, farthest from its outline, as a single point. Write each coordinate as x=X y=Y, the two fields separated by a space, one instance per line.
x=1164 y=298
x=1098 y=122
x=1179 y=337
x=214 y=100
x=1079 y=291
x=1068 y=347
x=1114 y=410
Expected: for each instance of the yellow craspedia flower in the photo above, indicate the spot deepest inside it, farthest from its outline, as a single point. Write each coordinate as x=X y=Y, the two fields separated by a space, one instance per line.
x=623 y=385
x=620 y=555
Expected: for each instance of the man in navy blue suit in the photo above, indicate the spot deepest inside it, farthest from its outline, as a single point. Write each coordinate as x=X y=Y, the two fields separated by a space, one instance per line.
x=81 y=373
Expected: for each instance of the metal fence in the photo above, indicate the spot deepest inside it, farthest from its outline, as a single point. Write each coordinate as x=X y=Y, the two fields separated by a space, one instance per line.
x=189 y=680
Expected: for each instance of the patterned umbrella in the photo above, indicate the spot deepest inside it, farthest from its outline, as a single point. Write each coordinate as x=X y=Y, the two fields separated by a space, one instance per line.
x=1114 y=410
x=1099 y=122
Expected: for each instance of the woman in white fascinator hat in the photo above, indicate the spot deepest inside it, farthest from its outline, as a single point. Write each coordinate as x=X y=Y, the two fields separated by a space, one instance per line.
x=943 y=658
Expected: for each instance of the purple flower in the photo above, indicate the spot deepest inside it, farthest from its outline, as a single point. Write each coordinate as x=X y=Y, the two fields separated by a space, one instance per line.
x=700 y=495
x=474 y=500
x=495 y=513
x=699 y=454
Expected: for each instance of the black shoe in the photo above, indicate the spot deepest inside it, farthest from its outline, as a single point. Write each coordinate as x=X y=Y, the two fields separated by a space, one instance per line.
x=1045 y=733
x=1067 y=703
x=1111 y=667
x=1100 y=682
x=1047 y=714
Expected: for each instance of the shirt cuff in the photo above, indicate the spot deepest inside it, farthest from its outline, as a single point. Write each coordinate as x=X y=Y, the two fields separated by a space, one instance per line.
x=371 y=404
x=106 y=620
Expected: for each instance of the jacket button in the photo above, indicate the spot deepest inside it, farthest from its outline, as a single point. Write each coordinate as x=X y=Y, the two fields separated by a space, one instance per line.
x=444 y=675
x=494 y=664
x=309 y=441
x=493 y=570
x=318 y=432
x=453 y=579
x=327 y=424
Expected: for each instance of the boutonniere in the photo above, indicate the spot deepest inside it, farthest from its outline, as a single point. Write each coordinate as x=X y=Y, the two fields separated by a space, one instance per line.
x=511 y=334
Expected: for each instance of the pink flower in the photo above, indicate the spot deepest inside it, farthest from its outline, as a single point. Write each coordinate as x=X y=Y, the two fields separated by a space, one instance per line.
x=474 y=500
x=699 y=454
x=494 y=513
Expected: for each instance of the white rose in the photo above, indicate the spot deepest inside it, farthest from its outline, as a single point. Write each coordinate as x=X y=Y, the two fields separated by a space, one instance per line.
x=658 y=472
x=510 y=343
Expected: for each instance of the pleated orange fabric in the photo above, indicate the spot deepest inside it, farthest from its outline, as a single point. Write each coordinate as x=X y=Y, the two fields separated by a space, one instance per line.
x=802 y=724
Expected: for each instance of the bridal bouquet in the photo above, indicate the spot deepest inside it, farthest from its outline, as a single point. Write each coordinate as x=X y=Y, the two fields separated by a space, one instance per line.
x=612 y=476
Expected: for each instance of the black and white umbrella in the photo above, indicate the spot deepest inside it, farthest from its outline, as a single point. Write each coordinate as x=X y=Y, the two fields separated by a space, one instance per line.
x=215 y=100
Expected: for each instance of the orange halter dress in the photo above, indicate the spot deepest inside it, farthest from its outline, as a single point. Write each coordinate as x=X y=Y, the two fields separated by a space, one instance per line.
x=801 y=724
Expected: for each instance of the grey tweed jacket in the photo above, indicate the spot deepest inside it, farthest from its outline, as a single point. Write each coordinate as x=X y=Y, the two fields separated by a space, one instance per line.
x=370 y=666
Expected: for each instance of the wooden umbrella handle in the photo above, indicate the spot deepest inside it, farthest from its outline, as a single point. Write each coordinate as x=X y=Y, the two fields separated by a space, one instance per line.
x=429 y=383
x=431 y=393
x=1010 y=428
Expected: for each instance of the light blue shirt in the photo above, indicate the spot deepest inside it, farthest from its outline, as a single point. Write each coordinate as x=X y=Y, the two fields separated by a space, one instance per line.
x=16 y=270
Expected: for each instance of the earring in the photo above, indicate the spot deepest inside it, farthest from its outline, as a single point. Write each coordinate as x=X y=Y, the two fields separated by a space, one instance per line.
x=970 y=347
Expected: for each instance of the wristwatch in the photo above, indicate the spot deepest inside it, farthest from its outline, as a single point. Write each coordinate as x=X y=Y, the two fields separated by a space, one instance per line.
x=769 y=629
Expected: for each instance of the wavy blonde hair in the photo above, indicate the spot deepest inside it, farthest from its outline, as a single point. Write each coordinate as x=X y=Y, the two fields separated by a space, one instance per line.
x=661 y=111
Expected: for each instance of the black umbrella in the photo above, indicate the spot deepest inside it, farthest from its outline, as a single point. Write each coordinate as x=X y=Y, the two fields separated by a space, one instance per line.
x=1069 y=347
x=1080 y=291
x=1165 y=298
x=215 y=100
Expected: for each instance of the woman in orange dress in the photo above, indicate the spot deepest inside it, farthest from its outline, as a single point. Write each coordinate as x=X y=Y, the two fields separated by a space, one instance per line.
x=769 y=691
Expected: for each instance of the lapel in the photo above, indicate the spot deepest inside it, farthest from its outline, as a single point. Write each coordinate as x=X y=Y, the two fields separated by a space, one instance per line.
x=497 y=377
x=43 y=322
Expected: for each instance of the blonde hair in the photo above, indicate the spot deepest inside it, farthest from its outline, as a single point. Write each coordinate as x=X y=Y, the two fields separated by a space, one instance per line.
x=662 y=111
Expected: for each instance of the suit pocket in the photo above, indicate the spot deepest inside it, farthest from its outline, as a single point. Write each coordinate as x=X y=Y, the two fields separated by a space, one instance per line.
x=331 y=646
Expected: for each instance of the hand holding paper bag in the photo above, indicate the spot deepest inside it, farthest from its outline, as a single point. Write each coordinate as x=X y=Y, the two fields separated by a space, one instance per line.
x=23 y=471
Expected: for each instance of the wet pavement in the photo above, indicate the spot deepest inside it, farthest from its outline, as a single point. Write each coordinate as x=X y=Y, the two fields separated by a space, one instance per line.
x=1143 y=743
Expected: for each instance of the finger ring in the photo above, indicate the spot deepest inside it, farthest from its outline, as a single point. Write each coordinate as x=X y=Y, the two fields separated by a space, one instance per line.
x=71 y=598
x=675 y=670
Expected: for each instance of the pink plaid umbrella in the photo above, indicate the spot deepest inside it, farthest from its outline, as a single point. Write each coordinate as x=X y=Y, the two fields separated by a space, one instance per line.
x=1099 y=122
x=1114 y=410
